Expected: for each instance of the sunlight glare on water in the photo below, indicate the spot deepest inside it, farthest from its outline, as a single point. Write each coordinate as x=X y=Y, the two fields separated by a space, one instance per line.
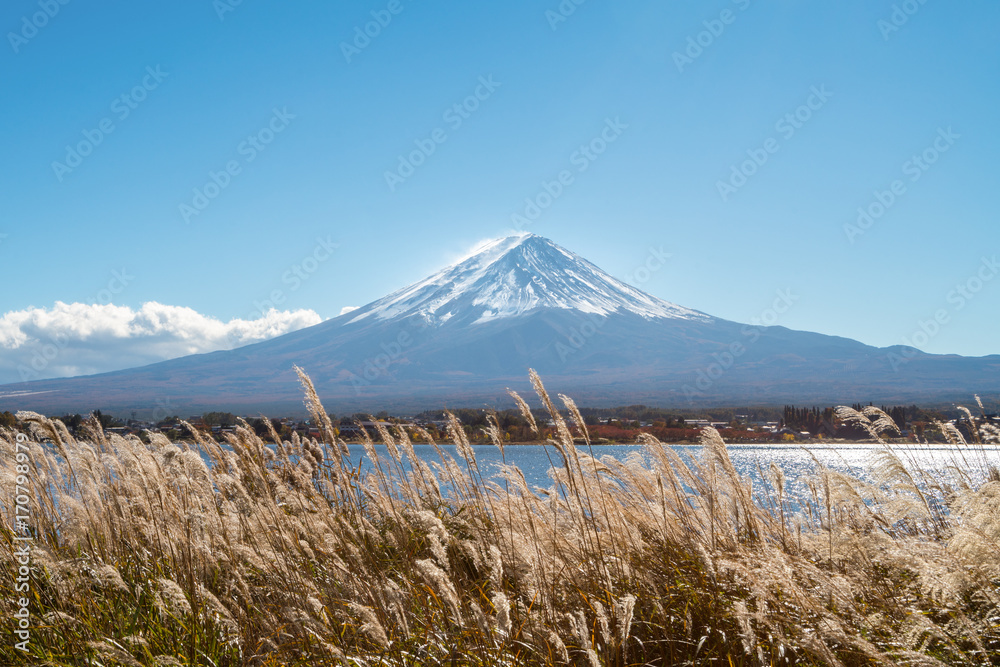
x=941 y=462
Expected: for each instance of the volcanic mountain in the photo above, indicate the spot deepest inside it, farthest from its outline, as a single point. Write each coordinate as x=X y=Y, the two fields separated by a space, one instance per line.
x=464 y=334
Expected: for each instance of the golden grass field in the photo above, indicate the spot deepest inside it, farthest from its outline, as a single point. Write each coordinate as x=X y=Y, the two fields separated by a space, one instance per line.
x=144 y=554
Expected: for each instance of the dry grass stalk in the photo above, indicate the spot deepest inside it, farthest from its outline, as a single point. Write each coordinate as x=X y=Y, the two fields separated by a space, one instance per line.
x=285 y=553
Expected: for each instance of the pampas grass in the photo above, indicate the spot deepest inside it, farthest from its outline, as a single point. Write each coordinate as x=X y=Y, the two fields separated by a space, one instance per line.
x=286 y=553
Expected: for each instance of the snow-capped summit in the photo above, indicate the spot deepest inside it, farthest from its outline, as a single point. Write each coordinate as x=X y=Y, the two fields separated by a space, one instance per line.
x=512 y=276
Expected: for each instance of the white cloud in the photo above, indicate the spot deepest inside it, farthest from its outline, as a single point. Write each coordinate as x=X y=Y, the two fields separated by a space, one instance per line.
x=81 y=339
x=479 y=246
x=347 y=309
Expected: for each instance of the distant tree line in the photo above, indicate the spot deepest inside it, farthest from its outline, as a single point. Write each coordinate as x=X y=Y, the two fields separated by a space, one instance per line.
x=620 y=423
x=74 y=421
x=816 y=421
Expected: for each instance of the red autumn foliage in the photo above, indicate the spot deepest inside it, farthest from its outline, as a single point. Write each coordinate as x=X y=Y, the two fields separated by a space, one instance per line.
x=618 y=433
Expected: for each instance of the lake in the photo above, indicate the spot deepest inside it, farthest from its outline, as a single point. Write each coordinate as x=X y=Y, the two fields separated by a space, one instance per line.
x=795 y=460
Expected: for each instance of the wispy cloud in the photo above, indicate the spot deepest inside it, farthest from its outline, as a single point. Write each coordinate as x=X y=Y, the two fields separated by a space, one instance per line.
x=79 y=339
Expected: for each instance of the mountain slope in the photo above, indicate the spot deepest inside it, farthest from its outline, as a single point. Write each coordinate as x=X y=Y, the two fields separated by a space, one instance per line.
x=515 y=275
x=464 y=334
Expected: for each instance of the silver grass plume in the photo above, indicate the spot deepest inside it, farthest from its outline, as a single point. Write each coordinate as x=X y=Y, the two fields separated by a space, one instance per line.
x=522 y=405
x=853 y=417
x=950 y=433
x=624 y=610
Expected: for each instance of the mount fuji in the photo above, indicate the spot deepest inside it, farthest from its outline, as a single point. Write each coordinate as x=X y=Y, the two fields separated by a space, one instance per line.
x=513 y=276
x=463 y=335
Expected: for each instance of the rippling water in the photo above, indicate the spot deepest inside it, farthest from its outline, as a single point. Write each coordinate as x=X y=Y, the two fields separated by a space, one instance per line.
x=796 y=461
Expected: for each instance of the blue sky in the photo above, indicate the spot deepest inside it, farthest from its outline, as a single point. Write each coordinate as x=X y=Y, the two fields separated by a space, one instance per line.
x=312 y=219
